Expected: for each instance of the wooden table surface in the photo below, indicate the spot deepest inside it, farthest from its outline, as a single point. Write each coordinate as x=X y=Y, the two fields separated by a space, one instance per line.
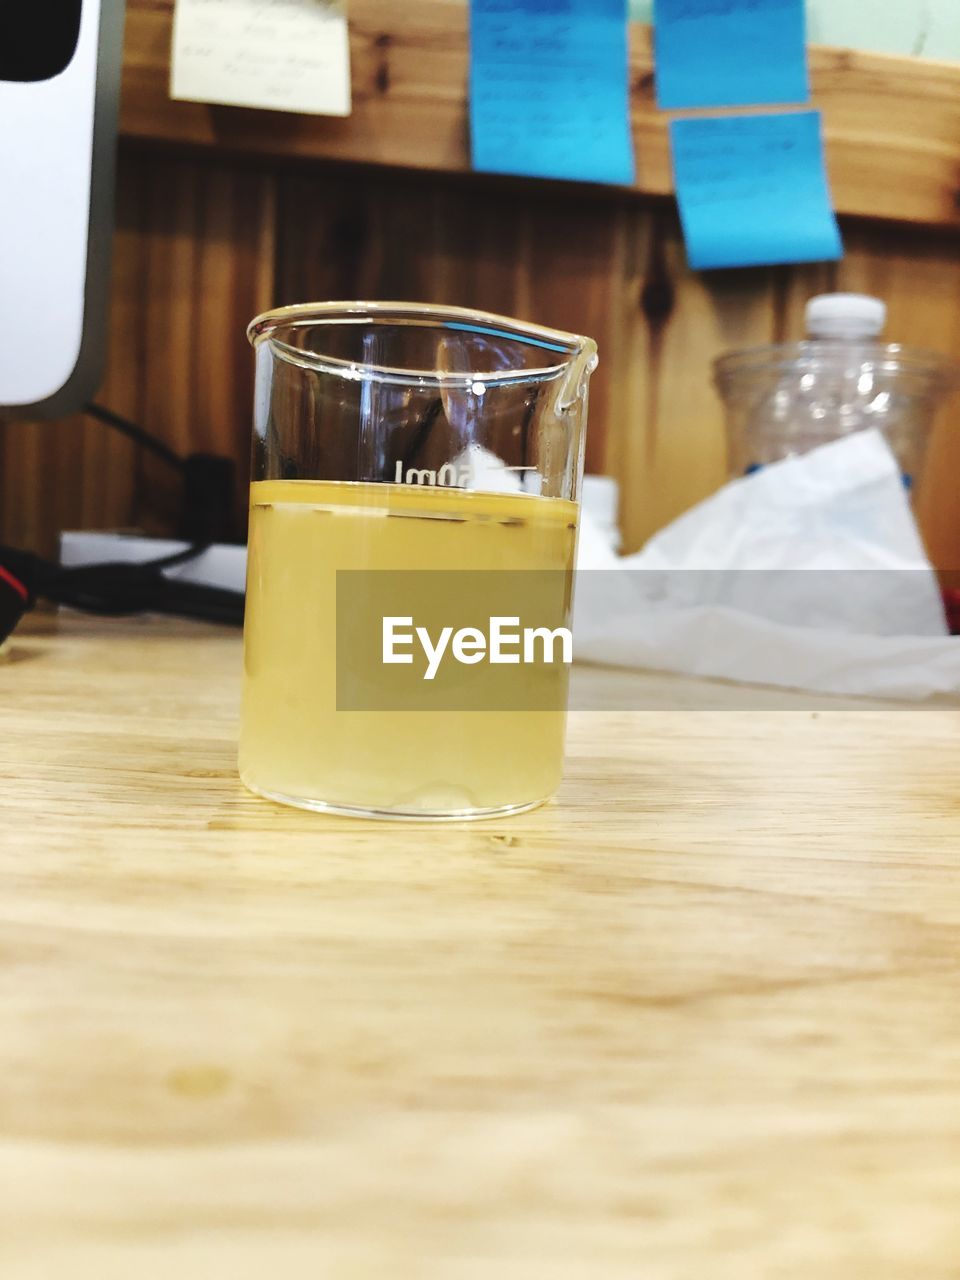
x=699 y=1018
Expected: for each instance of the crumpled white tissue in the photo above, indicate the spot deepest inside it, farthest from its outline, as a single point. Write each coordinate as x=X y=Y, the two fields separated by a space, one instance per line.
x=808 y=574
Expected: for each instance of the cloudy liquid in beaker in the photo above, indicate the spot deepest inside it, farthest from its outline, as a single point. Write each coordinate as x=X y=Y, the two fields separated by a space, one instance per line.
x=295 y=745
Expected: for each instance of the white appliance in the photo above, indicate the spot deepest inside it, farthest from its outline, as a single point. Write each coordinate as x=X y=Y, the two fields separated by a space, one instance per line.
x=60 y=67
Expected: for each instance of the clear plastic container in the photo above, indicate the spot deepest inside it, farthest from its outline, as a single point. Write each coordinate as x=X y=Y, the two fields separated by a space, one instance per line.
x=789 y=398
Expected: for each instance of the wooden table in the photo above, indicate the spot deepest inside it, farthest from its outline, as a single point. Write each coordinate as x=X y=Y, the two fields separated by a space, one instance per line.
x=700 y=1018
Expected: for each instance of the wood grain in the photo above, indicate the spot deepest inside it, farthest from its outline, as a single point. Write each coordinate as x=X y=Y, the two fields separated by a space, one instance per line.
x=696 y=1018
x=669 y=421
x=388 y=235
x=892 y=124
x=209 y=253
x=918 y=276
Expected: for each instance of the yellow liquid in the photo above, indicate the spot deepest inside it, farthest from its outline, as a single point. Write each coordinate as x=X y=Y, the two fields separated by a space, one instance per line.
x=295 y=745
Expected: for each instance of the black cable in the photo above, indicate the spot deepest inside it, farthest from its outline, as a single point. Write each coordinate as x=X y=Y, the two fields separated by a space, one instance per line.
x=131 y=430
x=208 y=511
x=178 y=557
x=113 y=588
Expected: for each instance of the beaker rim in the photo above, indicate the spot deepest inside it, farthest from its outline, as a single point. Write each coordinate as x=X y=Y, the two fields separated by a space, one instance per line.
x=575 y=348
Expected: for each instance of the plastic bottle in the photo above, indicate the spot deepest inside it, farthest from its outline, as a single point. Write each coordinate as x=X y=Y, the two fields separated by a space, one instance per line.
x=789 y=398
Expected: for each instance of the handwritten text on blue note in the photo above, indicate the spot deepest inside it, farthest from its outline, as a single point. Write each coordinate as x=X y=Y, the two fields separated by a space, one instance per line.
x=717 y=53
x=753 y=190
x=549 y=93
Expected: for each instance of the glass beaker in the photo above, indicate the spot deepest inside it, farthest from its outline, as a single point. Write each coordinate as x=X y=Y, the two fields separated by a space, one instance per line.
x=436 y=448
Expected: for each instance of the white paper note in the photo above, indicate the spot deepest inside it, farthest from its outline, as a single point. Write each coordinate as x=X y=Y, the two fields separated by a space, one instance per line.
x=281 y=55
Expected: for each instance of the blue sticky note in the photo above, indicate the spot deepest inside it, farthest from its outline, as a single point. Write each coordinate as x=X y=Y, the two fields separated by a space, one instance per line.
x=549 y=89
x=730 y=53
x=753 y=190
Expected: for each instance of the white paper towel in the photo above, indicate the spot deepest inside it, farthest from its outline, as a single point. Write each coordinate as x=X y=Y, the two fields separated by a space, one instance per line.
x=808 y=574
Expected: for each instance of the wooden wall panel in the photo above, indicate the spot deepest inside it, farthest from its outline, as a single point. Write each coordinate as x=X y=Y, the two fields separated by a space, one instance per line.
x=398 y=237
x=612 y=268
x=204 y=244
x=209 y=268
x=919 y=278
x=666 y=441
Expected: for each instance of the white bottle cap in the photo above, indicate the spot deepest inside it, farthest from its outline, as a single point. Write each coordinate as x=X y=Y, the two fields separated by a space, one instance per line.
x=845 y=315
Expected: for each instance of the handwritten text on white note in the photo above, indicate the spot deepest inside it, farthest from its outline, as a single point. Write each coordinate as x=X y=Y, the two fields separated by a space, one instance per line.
x=282 y=55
